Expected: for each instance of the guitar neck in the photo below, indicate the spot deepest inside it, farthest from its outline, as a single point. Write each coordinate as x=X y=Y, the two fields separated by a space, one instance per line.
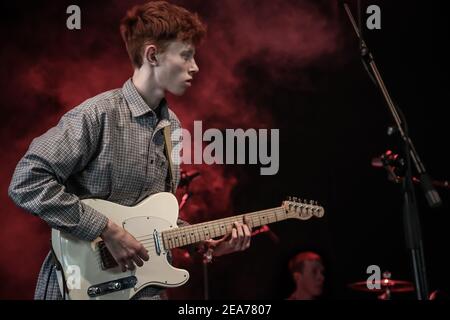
x=203 y=231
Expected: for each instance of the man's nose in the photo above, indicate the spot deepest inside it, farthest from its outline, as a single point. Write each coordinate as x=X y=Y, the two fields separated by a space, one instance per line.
x=194 y=67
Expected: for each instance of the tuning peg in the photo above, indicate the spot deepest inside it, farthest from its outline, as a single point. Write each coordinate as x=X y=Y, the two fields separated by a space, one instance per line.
x=289 y=198
x=311 y=201
x=295 y=199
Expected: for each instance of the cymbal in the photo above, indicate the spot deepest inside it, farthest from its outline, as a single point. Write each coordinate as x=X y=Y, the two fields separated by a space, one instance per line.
x=392 y=285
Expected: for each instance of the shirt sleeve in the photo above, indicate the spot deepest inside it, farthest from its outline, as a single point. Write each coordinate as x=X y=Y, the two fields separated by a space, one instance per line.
x=37 y=184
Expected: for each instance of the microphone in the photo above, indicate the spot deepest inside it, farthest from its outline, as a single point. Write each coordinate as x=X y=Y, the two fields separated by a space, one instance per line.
x=187 y=177
x=392 y=163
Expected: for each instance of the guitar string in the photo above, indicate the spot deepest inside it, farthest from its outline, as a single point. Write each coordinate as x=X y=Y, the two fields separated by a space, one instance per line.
x=149 y=239
x=272 y=213
x=216 y=226
x=222 y=221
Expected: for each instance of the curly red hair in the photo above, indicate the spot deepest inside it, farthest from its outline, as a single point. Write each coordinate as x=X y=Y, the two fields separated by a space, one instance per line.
x=158 y=22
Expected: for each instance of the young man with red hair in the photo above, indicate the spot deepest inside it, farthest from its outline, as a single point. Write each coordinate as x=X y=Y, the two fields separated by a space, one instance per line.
x=307 y=271
x=112 y=146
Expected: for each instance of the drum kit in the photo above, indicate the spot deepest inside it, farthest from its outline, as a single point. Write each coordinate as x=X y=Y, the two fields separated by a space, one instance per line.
x=387 y=286
x=383 y=287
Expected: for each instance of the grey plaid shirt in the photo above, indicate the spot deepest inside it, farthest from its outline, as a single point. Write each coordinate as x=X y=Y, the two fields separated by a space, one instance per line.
x=109 y=147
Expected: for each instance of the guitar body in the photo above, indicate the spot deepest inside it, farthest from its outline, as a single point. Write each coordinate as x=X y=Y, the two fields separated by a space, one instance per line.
x=81 y=261
x=91 y=273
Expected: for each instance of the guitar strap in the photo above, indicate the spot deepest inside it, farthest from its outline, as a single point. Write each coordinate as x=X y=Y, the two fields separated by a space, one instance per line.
x=168 y=151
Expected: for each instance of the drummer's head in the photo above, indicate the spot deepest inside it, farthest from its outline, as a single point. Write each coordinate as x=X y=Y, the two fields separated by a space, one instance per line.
x=307 y=271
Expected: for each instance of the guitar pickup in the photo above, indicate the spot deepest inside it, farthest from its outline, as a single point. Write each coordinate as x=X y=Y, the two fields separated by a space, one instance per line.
x=106 y=259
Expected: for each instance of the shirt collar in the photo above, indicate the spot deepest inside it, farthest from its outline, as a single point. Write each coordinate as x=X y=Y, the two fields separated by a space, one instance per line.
x=136 y=103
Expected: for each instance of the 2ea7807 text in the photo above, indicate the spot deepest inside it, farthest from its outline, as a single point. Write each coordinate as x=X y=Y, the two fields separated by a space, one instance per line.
x=234 y=309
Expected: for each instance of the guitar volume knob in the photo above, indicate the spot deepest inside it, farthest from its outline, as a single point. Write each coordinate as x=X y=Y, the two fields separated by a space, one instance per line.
x=115 y=286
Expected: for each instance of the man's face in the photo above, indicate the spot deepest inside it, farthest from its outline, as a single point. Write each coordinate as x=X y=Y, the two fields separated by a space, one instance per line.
x=312 y=277
x=176 y=67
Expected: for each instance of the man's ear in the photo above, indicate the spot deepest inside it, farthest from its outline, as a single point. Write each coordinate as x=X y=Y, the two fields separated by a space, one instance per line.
x=150 y=54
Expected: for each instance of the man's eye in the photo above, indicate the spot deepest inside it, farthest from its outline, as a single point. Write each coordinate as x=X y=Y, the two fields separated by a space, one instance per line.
x=187 y=56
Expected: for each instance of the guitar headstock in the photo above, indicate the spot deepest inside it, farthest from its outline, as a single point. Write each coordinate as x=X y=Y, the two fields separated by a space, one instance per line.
x=302 y=209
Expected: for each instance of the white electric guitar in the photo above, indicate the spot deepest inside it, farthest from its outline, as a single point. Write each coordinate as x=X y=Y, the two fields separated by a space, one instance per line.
x=92 y=273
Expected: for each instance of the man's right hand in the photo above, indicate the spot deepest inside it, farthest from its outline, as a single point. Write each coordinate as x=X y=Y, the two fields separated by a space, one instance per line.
x=125 y=249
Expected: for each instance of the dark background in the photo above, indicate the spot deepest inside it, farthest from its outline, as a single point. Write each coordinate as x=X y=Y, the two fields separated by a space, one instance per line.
x=292 y=65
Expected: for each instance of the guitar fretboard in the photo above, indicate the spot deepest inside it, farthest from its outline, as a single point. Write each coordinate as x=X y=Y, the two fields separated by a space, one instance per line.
x=203 y=231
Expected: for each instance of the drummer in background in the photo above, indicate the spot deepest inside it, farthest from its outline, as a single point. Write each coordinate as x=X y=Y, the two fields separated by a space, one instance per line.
x=307 y=271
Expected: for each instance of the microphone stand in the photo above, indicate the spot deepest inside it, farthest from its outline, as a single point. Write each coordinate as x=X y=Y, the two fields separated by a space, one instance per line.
x=207 y=258
x=413 y=235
